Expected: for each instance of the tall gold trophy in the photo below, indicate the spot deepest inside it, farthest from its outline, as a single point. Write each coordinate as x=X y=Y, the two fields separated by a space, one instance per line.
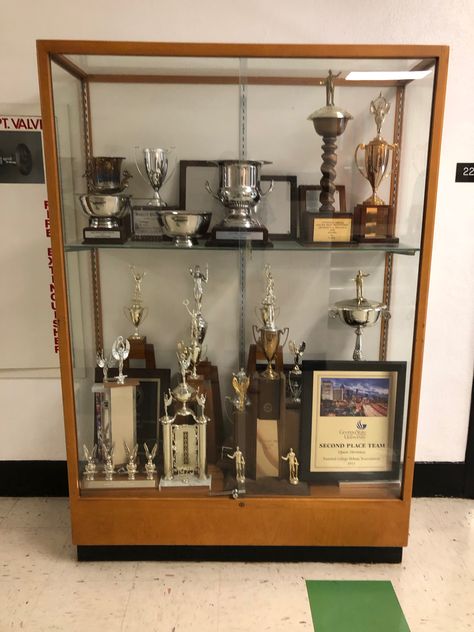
x=374 y=220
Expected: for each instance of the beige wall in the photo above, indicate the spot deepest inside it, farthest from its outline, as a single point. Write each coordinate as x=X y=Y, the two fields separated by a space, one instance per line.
x=30 y=410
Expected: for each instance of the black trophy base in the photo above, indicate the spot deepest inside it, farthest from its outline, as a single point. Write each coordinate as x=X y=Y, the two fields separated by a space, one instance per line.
x=228 y=236
x=117 y=235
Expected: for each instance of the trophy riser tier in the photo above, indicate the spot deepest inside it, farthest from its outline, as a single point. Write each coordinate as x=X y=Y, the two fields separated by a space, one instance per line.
x=141 y=353
x=119 y=483
x=374 y=224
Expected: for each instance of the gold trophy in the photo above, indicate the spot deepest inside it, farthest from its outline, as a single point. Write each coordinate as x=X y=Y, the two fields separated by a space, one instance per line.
x=136 y=314
x=374 y=219
x=267 y=338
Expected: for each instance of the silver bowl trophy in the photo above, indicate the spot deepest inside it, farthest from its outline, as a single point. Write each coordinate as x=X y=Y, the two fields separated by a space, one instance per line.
x=184 y=443
x=239 y=192
x=359 y=313
x=105 y=204
x=374 y=220
x=184 y=226
x=295 y=375
x=268 y=337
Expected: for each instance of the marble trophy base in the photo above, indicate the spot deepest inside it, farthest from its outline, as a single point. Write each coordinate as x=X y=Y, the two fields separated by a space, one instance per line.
x=118 y=482
x=188 y=480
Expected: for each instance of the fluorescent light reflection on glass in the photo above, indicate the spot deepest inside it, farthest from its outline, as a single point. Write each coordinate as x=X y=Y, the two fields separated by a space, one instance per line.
x=387 y=75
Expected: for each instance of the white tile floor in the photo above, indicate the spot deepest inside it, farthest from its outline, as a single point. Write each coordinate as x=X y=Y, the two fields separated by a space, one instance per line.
x=42 y=587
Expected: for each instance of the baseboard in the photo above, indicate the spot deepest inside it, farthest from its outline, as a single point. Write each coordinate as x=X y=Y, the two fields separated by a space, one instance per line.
x=33 y=478
x=49 y=478
x=439 y=479
x=348 y=554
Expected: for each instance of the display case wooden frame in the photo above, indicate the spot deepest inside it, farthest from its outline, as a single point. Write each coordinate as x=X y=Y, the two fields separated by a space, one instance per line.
x=329 y=517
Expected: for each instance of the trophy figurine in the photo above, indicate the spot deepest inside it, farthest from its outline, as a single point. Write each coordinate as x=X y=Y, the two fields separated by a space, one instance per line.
x=329 y=122
x=109 y=469
x=268 y=337
x=120 y=351
x=359 y=313
x=105 y=364
x=150 y=467
x=131 y=467
x=240 y=384
x=135 y=312
x=155 y=160
x=198 y=322
x=297 y=351
x=239 y=465
x=183 y=392
x=374 y=219
x=293 y=466
x=90 y=469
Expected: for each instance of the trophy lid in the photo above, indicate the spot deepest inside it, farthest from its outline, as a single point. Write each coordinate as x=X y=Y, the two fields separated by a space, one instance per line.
x=237 y=161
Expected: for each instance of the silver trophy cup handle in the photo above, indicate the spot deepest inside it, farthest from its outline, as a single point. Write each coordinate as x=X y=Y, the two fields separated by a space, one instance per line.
x=362 y=171
x=136 y=164
x=254 y=330
x=283 y=332
x=211 y=192
x=269 y=190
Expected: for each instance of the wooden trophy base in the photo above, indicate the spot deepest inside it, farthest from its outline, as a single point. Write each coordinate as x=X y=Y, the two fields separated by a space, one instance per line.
x=227 y=236
x=117 y=235
x=374 y=224
x=208 y=383
x=142 y=354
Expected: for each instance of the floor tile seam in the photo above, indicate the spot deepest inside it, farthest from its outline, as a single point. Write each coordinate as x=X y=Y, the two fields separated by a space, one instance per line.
x=122 y=623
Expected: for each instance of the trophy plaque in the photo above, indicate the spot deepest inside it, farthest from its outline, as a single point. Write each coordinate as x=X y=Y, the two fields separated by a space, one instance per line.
x=240 y=192
x=374 y=220
x=329 y=226
x=318 y=227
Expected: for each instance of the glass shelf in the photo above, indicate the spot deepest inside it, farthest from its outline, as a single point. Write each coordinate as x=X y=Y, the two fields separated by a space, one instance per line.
x=294 y=246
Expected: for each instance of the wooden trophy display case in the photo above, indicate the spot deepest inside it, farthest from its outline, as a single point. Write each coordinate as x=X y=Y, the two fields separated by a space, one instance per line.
x=353 y=437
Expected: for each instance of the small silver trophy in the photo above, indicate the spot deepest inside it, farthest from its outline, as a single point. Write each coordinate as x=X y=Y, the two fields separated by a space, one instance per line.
x=295 y=375
x=109 y=469
x=155 y=161
x=150 y=467
x=135 y=312
x=131 y=467
x=359 y=313
x=120 y=351
x=90 y=469
x=104 y=363
x=293 y=466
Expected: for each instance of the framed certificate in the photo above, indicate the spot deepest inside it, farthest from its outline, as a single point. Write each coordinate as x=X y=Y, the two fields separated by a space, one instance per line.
x=352 y=420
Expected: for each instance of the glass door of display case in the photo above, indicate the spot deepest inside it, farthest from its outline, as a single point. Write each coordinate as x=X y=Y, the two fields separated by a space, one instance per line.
x=242 y=241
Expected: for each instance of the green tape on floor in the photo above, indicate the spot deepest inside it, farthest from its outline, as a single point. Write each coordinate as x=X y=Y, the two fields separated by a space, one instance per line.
x=355 y=606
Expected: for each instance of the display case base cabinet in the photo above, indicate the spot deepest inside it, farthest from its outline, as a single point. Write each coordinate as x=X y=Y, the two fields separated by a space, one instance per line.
x=240 y=522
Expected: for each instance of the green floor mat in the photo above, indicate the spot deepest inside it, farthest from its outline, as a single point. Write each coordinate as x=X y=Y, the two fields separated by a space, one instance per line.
x=355 y=606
